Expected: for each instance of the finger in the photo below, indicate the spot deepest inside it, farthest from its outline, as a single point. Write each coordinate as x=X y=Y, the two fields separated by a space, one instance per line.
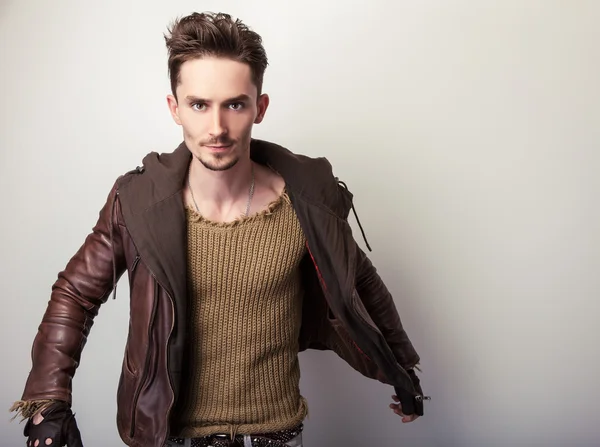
x=396 y=406
x=397 y=410
x=48 y=441
x=37 y=442
x=395 y=398
x=37 y=418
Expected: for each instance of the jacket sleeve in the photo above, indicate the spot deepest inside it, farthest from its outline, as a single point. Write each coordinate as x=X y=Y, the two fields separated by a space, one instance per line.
x=76 y=297
x=374 y=294
x=379 y=304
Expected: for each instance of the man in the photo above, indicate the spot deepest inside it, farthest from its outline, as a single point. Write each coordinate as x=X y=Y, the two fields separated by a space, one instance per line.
x=239 y=256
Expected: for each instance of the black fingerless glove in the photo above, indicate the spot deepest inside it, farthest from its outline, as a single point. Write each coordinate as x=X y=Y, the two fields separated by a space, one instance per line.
x=411 y=403
x=58 y=424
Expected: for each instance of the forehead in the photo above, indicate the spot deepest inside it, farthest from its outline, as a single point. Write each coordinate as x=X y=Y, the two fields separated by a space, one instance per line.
x=215 y=79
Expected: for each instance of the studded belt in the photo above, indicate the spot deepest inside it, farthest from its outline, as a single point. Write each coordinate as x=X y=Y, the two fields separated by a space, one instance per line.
x=275 y=439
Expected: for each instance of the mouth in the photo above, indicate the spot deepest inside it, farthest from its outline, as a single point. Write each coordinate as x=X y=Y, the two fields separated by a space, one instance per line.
x=219 y=147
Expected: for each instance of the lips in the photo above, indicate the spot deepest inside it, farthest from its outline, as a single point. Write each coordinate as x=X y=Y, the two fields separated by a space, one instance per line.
x=218 y=148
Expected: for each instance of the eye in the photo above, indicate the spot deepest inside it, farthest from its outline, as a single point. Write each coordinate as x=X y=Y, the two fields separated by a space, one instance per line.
x=198 y=106
x=236 y=106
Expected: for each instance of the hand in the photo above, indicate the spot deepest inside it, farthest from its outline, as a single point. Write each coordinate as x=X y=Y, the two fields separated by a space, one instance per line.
x=53 y=427
x=397 y=408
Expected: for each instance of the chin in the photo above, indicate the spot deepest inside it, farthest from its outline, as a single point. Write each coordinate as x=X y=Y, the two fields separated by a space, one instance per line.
x=218 y=164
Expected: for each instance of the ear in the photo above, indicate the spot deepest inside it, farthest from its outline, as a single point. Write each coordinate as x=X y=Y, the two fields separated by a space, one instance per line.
x=173 y=108
x=263 y=104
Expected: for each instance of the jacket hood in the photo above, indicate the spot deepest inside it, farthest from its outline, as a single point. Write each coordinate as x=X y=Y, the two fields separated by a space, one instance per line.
x=306 y=177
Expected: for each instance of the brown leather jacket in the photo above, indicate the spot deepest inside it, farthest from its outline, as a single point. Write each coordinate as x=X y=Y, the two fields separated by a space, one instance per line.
x=142 y=230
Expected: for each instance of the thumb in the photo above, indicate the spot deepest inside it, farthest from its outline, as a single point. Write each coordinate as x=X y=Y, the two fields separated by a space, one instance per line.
x=73 y=436
x=37 y=418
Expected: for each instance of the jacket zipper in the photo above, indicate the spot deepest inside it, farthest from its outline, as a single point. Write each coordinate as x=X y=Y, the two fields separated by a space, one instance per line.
x=157 y=283
x=168 y=415
x=326 y=290
x=168 y=361
x=135 y=263
x=146 y=363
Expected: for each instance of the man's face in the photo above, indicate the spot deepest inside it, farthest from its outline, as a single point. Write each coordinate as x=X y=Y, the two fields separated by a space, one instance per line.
x=216 y=106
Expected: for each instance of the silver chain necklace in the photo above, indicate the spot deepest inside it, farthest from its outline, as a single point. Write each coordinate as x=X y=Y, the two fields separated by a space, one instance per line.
x=250 y=192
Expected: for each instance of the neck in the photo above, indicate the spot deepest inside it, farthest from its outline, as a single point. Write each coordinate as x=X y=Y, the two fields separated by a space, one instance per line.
x=221 y=187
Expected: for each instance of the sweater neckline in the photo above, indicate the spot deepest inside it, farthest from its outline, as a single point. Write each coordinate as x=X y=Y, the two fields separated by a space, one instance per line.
x=197 y=218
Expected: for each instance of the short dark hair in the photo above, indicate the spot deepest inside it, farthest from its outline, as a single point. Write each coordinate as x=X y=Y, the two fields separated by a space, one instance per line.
x=215 y=35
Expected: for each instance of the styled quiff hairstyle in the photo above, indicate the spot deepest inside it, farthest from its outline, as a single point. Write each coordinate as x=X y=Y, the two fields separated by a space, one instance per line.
x=201 y=35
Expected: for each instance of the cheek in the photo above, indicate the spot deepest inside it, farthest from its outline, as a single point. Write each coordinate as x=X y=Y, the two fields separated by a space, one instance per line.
x=242 y=123
x=193 y=124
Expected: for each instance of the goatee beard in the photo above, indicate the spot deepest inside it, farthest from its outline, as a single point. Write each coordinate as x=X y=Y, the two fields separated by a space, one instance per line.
x=217 y=168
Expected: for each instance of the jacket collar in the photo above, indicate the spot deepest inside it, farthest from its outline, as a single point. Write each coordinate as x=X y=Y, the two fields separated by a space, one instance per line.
x=164 y=175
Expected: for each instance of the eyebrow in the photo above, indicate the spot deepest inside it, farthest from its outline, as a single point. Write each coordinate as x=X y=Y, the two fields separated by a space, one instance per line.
x=239 y=98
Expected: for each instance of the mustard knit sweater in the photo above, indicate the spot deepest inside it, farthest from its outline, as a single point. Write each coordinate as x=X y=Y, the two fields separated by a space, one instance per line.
x=246 y=310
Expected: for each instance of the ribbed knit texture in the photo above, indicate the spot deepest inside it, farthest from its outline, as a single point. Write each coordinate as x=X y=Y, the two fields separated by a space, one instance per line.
x=246 y=309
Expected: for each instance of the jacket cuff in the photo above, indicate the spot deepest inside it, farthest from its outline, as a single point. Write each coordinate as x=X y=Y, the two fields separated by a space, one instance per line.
x=412 y=403
x=27 y=408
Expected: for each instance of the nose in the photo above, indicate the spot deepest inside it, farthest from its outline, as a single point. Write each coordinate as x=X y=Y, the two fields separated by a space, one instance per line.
x=217 y=125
